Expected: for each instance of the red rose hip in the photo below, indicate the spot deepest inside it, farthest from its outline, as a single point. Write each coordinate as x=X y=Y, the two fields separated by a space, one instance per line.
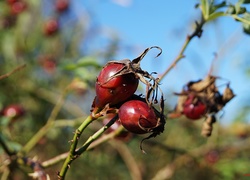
x=137 y=117
x=62 y=5
x=13 y=111
x=114 y=89
x=18 y=7
x=51 y=27
x=194 y=108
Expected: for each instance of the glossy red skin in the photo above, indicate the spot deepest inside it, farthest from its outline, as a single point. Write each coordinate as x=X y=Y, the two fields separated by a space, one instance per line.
x=135 y=115
x=194 y=111
x=13 y=111
x=115 y=90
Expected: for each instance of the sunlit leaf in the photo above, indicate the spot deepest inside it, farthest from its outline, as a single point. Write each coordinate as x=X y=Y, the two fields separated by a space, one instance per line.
x=246 y=26
x=215 y=16
x=83 y=62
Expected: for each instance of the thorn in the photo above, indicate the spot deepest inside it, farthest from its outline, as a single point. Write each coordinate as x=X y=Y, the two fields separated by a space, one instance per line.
x=78 y=132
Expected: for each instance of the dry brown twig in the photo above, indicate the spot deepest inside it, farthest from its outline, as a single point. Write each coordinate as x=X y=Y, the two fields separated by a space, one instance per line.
x=18 y=68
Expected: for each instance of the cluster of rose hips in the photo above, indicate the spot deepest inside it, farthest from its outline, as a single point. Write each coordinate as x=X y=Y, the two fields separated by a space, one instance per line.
x=51 y=26
x=115 y=88
x=202 y=99
x=15 y=7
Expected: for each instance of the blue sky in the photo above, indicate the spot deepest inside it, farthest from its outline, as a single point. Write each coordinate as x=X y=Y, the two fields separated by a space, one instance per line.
x=141 y=24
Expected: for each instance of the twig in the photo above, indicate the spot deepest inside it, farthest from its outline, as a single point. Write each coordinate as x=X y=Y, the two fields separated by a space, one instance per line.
x=43 y=131
x=168 y=171
x=223 y=50
x=38 y=171
x=73 y=154
x=197 y=32
x=5 y=147
x=96 y=136
x=55 y=160
x=99 y=141
x=12 y=72
x=52 y=97
x=128 y=158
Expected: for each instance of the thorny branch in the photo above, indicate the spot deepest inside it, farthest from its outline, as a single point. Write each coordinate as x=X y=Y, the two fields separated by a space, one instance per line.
x=76 y=153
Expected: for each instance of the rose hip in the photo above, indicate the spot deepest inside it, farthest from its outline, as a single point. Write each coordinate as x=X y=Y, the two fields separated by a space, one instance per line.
x=114 y=89
x=137 y=117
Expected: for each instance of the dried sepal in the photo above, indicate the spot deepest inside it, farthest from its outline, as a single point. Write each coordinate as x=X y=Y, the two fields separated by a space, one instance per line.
x=207 y=126
x=227 y=94
x=181 y=99
x=206 y=91
x=159 y=128
x=145 y=77
x=201 y=85
x=99 y=112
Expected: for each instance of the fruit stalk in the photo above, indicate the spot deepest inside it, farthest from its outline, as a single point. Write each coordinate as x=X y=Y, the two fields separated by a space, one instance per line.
x=97 y=142
x=73 y=154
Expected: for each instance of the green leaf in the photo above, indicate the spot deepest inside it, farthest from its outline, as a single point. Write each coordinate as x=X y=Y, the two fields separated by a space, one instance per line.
x=205 y=8
x=217 y=6
x=209 y=9
x=246 y=2
x=246 y=26
x=231 y=9
x=215 y=15
x=83 y=62
x=229 y=169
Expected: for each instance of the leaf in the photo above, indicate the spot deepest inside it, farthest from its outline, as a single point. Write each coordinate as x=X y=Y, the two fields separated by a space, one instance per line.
x=83 y=62
x=245 y=1
x=217 y=6
x=215 y=15
x=230 y=168
x=231 y=9
x=205 y=8
x=246 y=26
